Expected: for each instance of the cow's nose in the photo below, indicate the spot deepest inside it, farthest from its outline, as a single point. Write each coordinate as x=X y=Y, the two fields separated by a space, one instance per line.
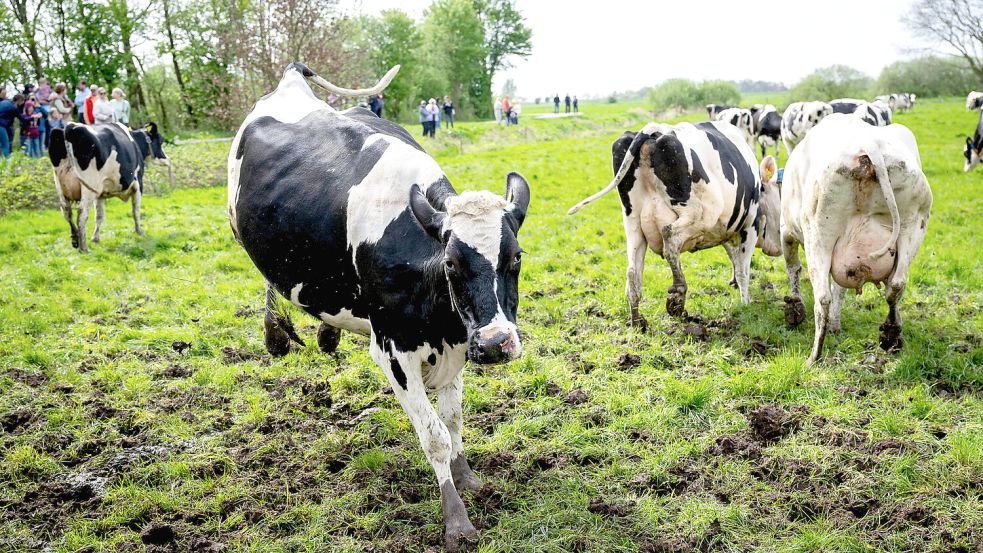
x=496 y=349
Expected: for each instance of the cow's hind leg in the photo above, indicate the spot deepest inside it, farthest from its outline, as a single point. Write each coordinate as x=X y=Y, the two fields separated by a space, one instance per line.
x=100 y=217
x=135 y=201
x=671 y=243
x=278 y=328
x=328 y=337
x=85 y=206
x=908 y=243
x=795 y=308
x=636 y=266
x=836 y=307
x=819 y=254
x=451 y=413
x=66 y=210
x=404 y=373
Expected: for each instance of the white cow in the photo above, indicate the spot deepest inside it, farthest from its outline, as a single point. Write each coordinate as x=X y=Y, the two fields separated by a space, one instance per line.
x=799 y=118
x=855 y=196
x=974 y=101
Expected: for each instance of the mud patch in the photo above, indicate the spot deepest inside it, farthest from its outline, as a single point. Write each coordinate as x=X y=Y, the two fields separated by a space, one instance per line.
x=736 y=445
x=180 y=346
x=576 y=397
x=236 y=355
x=771 y=423
x=34 y=380
x=628 y=361
x=17 y=419
x=176 y=371
x=795 y=311
x=613 y=509
x=698 y=332
x=157 y=533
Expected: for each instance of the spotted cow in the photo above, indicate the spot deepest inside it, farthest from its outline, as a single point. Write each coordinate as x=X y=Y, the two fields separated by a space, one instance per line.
x=974 y=147
x=740 y=118
x=767 y=126
x=799 y=118
x=345 y=215
x=95 y=162
x=690 y=187
x=974 y=101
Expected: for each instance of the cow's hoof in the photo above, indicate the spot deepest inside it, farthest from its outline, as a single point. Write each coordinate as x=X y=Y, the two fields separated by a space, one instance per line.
x=733 y=283
x=459 y=535
x=891 y=337
x=277 y=339
x=676 y=305
x=95 y=239
x=141 y=233
x=75 y=242
x=638 y=321
x=795 y=311
x=328 y=338
x=464 y=477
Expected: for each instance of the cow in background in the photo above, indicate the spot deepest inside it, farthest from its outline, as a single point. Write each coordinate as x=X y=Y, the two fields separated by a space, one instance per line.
x=95 y=162
x=740 y=118
x=974 y=101
x=767 y=126
x=799 y=118
x=714 y=109
x=974 y=147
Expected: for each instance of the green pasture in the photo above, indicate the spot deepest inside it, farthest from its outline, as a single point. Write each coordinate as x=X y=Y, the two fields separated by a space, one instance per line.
x=707 y=434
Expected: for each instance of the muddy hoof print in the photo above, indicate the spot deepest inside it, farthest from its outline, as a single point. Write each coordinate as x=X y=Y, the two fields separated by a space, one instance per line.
x=891 y=340
x=795 y=311
x=676 y=305
x=328 y=338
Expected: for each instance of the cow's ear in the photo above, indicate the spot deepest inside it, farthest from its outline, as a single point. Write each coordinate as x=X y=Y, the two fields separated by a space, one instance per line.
x=151 y=128
x=429 y=218
x=517 y=194
x=768 y=170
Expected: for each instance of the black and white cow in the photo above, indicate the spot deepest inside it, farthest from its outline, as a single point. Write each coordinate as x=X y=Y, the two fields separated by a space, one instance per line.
x=799 y=117
x=348 y=217
x=95 y=162
x=877 y=113
x=767 y=125
x=974 y=147
x=974 y=101
x=856 y=198
x=846 y=105
x=714 y=109
x=686 y=188
x=740 y=118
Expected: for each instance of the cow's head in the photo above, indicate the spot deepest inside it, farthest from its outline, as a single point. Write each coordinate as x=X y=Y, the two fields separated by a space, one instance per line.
x=972 y=155
x=769 y=209
x=481 y=262
x=814 y=112
x=156 y=144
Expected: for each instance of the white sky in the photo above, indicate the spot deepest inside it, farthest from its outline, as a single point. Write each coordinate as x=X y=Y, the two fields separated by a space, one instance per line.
x=594 y=48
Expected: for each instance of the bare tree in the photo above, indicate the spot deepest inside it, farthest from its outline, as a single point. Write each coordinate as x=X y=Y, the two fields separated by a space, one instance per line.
x=28 y=15
x=955 y=24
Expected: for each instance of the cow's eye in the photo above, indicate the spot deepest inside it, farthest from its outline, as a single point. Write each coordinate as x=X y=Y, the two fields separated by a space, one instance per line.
x=449 y=265
x=517 y=260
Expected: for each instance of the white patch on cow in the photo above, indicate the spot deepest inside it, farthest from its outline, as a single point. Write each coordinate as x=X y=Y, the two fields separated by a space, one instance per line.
x=347 y=320
x=295 y=295
x=292 y=100
x=475 y=218
x=384 y=193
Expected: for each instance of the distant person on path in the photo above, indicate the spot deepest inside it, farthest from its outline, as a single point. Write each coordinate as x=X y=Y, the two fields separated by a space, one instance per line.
x=81 y=95
x=507 y=111
x=8 y=112
x=448 y=113
x=516 y=110
x=31 y=123
x=556 y=103
x=575 y=105
x=102 y=111
x=497 y=108
x=121 y=106
x=435 y=112
x=566 y=102
x=425 y=117
x=60 y=110
x=90 y=102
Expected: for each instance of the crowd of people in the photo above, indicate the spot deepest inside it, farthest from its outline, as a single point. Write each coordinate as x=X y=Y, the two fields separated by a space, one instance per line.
x=432 y=112
x=40 y=108
x=506 y=111
x=567 y=102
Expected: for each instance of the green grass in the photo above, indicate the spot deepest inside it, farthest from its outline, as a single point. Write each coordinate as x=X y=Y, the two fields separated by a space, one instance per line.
x=107 y=431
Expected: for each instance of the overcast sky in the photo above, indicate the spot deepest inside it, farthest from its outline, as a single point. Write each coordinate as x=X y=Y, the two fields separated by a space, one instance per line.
x=594 y=48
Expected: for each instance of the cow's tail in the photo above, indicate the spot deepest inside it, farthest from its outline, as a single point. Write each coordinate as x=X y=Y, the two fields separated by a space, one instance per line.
x=334 y=89
x=630 y=155
x=880 y=169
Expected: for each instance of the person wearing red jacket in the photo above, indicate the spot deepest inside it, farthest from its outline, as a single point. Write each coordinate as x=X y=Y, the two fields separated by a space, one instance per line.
x=89 y=103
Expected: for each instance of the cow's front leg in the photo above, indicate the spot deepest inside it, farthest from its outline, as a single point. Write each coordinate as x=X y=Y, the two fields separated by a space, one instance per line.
x=135 y=201
x=100 y=217
x=741 y=262
x=403 y=370
x=636 y=266
x=451 y=413
x=671 y=243
x=86 y=205
x=795 y=308
x=66 y=210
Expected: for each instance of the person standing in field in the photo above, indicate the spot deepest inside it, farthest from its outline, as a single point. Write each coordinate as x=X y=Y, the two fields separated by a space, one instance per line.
x=448 y=112
x=90 y=102
x=576 y=109
x=8 y=112
x=102 y=111
x=497 y=108
x=566 y=102
x=435 y=112
x=43 y=92
x=81 y=95
x=380 y=103
x=507 y=111
x=121 y=106
x=425 y=118
x=30 y=121
x=556 y=103
x=60 y=109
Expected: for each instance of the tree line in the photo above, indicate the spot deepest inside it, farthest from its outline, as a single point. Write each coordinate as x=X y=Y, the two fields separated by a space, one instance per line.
x=201 y=64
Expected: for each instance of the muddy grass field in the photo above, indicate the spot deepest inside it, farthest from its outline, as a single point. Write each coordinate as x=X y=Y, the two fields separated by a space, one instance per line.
x=140 y=411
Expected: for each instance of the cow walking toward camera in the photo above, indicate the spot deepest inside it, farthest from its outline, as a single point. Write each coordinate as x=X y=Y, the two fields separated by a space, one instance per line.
x=347 y=216
x=95 y=162
x=855 y=197
x=686 y=188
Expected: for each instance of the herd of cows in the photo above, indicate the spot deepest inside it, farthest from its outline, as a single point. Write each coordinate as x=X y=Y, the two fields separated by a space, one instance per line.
x=359 y=227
